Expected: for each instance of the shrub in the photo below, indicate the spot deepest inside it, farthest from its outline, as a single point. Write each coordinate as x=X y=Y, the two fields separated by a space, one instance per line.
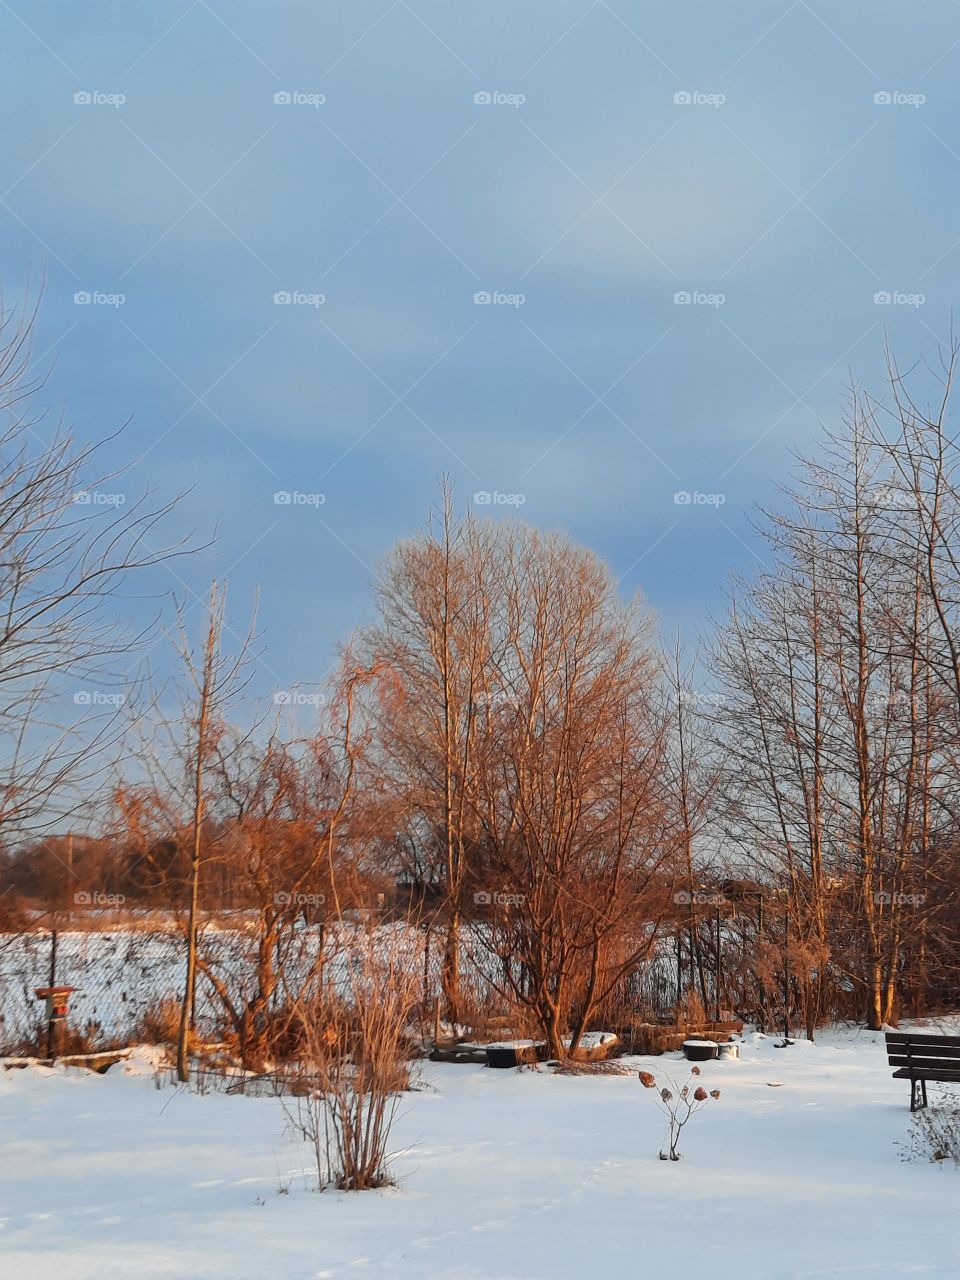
x=159 y=1022
x=355 y=1068
x=679 y=1103
x=935 y=1135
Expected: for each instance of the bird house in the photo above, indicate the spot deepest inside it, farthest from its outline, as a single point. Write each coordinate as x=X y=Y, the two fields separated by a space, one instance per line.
x=57 y=999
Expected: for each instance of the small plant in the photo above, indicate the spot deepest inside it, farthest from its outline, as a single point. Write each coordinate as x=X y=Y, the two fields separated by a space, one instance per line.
x=935 y=1134
x=679 y=1103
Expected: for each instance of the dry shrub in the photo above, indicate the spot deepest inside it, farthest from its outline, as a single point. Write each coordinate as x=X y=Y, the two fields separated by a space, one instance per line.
x=272 y=1036
x=159 y=1022
x=492 y=1019
x=355 y=1067
x=935 y=1134
x=572 y=1067
x=72 y=1040
x=690 y=1010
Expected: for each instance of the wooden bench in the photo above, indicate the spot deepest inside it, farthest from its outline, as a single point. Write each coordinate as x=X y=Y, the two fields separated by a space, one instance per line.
x=919 y=1057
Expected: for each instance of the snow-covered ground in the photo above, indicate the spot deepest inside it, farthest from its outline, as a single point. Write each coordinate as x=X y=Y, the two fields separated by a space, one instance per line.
x=503 y=1176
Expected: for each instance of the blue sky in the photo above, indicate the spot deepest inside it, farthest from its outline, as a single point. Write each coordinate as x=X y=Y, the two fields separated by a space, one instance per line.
x=618 y=155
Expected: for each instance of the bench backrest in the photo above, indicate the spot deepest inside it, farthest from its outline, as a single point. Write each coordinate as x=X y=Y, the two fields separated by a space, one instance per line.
x=923 y=1051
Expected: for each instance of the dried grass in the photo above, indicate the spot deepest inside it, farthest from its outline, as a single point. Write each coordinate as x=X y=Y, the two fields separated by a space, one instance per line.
x=568 y=1067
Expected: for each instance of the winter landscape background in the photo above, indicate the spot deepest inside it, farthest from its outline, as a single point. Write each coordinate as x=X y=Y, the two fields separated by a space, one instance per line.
x=479 y=639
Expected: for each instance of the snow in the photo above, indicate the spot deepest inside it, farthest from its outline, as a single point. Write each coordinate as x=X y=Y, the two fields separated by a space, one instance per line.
x=502 y=1174
x=511 y=1044
x=594 y=1039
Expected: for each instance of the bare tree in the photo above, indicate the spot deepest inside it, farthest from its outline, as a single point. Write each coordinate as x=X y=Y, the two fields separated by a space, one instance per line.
x=295 y=836
x=836 y=663
x=68 y=543
x=182 y=753
x=432 y=700
x=691 y=776
x=576 y=838
x=519 y=719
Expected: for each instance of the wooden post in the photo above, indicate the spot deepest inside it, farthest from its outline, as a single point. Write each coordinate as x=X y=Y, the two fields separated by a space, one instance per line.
x=679 y=942
x=786 y=971
x=69 y=894
x=761 y=990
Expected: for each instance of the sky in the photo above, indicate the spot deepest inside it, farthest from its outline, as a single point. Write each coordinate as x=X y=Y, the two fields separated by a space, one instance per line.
x=586 y=258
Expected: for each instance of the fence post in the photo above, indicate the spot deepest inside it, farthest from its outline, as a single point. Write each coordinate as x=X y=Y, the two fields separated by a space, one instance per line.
x=51 y=1020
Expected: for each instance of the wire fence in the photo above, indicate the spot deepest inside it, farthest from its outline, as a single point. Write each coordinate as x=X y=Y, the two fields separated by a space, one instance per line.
x=129 y=981
x=119 y=975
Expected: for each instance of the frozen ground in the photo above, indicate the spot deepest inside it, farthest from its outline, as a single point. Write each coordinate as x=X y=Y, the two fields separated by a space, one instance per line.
x=504 y=1176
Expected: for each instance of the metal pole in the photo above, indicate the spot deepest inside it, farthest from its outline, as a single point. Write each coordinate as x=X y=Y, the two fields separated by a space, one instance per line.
x=52 y=983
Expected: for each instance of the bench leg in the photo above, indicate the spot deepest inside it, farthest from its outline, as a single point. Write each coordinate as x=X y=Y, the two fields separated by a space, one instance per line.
x=918 y=1091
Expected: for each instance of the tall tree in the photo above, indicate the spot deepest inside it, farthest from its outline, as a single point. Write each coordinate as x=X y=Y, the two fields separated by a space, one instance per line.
x=216 y=679
x=429 y=648
x=577 y=832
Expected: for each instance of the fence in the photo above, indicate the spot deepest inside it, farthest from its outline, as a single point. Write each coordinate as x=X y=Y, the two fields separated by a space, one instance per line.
x=124 y=973
x=118 y=975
